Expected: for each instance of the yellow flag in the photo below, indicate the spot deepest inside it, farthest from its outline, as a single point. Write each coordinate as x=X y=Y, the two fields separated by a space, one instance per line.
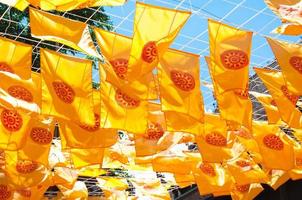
x=215 y=144
x=180 y=91
x=19 y=93
x=19 y=4
x=230 y=56
x=184 y=180
x=285 y=99
x=149 y=45
x=66 y=87
x=14 y=129
x=277 y=178
x=296 y=173
x=79 y=191
x=273 y=144
x=15 y=58
x=120 y=110
x=288 y=29
x=270 y=107
x=246 y=192
x=116 y=50
x=72 y=33
x=289 y=57
x=212 y=178
x=85 y=157
x=64 y=176
x=67 y=5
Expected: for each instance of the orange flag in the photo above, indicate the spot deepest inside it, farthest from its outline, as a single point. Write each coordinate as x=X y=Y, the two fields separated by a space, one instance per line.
x=19 y=4
x=149 y=45
x=72 y=33
x=66 y=93
x=119 y=110
x=180 y=91
x=15 y=57
x=246 y=192
x=285 y=99
x=116 y=50
x=288 y=29
x=273 y=144
x=289 y=57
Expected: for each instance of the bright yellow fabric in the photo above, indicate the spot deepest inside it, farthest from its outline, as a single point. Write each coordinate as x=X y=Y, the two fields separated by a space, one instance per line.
x=180 y=91
x=118 y=156
x=64 y=176
x=19 y=4
x=79 y=191
x=19 y=93
x=147 y=21
x=212 y=178
x=116 y=47
x=284 y=53
x=77 y=104
x=274 y=80
x=271 y=110
x=14 y=129
x=72 y=33
x=215 y=153
x=17 y=56
x=116 y=114
x=288 y=29
x=273 y=144
x=223 y=38
x=253 y=191
x=67 y=5
x=92 y=171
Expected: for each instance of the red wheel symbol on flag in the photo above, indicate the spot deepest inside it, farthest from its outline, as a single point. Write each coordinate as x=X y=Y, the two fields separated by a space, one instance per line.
x=293 y=98
x=24 y=192
x=183 y=80
x=243 y=163
x=26 y=166
x=125 y=101
x=120 y=67
x=216 y=139
x=41 y=135
x=207 y=169
x=149 y=53
x=296 y=63
x=11 y=120
x=154 y=132
x=5 y=193
x=93 y=128
x=243 y=188
x=273 y=142
x=64 y=92
x=20 y=92
x=234 y=59
x=5 y=68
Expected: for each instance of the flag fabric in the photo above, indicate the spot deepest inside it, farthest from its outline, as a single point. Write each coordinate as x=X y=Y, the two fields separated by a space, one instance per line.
x=19 y=4
x=66 y=94
x=289 y=57
x=273 y=144
x=270 y=107
x=15 y=58
x=230 y=56
x=72 y=33
x=246 y=192
x=288 y=29
x=180 y=92
x=149 y=45
x=276 y=85
x=120 y=110
x=79 y=191
x=67 y=5
x=277 y=178
x=116 y=50
x=212 y=178
x=19 y=93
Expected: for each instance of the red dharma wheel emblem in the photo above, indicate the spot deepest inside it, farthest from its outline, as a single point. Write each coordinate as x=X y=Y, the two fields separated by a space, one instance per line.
x=243 y=188
x=149 y=53
x=120 y=67
x=273 y=142
x=183 y=80
x=244 y=94
x=5 y=68
x=216 y=139
x=234 y=59
x=26 y=166
x=296 y=63
x=24 y=192
x=243 y=163
x=207 y=169
x=63 y=91
x=41 y=135
x=20 y=92
x=293 y=98
x=5 y=193
x=125 y=101
x=154 y=132
x=299 y=162
x=93 y=128
x=11 y=120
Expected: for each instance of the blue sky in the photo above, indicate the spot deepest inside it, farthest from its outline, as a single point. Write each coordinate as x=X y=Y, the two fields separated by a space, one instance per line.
x=251 y=15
